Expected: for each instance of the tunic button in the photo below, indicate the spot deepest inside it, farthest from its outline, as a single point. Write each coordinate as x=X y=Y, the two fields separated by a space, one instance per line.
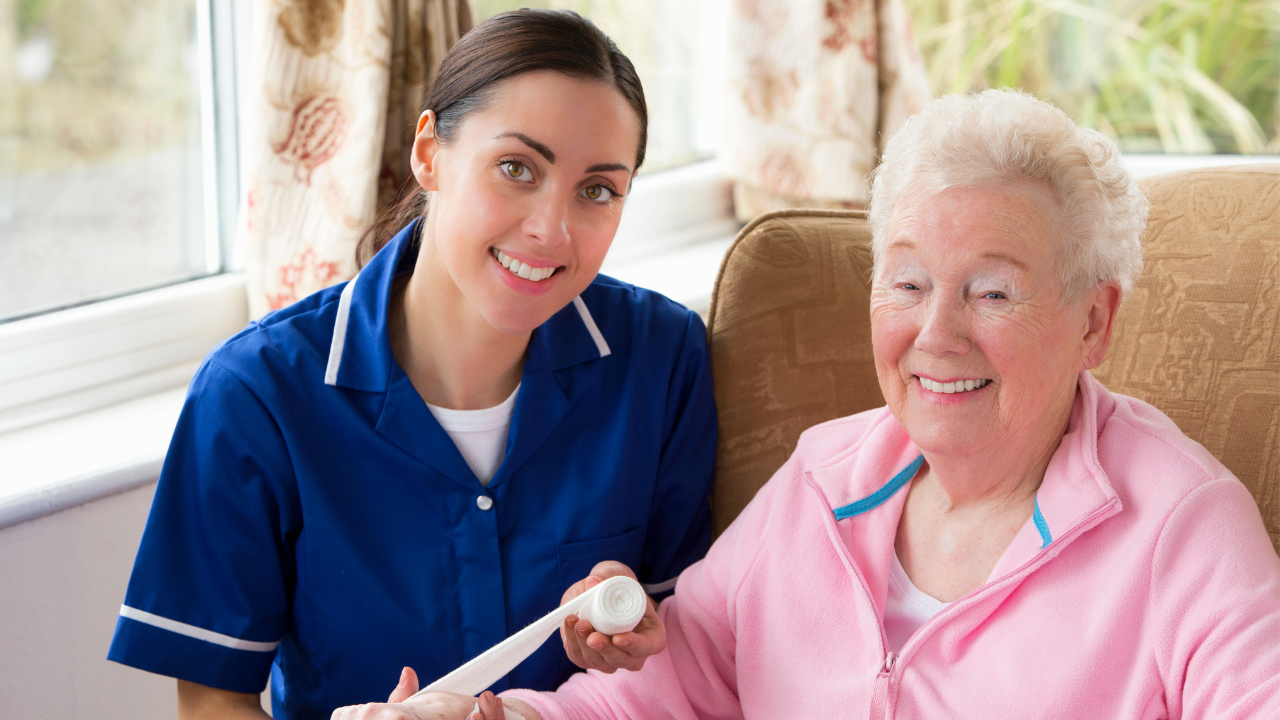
x=484 y=502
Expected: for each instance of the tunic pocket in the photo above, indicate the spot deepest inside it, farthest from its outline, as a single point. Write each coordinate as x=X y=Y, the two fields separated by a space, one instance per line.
x=577 y=558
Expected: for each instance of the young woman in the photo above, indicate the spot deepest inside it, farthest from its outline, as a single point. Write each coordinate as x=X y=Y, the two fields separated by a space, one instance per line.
x=405 y=469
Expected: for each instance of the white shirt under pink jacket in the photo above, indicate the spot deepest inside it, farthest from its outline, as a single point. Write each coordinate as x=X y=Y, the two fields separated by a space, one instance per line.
x=1144 y=586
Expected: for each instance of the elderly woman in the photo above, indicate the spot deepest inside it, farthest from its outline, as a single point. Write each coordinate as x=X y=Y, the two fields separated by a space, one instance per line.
x=1007 y=538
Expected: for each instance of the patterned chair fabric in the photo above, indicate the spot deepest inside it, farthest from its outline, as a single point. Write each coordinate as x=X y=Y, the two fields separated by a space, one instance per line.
x=1199 y=337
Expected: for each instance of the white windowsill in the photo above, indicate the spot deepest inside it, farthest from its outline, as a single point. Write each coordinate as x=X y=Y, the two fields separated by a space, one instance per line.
x=68 y=462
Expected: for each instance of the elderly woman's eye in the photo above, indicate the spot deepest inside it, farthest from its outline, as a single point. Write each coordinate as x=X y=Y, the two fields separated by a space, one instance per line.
x=993 y=295
x=597 y=193
x=517 y=170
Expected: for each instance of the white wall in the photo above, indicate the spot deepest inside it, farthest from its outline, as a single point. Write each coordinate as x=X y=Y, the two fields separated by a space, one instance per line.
x=62 y=579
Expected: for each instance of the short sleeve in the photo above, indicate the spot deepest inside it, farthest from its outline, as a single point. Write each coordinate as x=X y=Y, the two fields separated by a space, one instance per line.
x=679 y=530
x=208 y=599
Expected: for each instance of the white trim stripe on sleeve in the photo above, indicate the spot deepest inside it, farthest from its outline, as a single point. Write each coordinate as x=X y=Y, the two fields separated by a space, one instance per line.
x=590 y=322
x=195 y=632
x=339 y=333
x=661 y=587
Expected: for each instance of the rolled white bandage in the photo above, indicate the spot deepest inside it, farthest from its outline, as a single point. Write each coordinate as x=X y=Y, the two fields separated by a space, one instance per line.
x=614 y=606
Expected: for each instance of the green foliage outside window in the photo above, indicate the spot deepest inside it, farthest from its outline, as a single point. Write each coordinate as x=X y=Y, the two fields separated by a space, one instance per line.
x=1180 y=76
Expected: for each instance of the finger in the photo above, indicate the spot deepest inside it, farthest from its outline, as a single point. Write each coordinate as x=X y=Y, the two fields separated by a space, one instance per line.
x=406 y=688
x=592 y=658
x=614 y=656
x=572 y=643
x=578 y=588
x=637 y=645
x=491 y=707
x=610 y=568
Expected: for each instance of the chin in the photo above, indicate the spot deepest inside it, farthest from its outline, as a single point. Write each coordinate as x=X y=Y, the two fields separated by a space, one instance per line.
x=947 y=440
x=517 y=322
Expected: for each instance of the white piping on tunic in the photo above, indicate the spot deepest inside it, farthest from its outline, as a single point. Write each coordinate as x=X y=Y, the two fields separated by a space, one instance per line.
x=590 y=322
x=655 y=588
x=339 y=333
x=198 y=633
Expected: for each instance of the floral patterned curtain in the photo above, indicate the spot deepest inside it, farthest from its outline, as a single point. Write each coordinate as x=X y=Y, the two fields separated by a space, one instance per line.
x=816 y=87
x=336 y=92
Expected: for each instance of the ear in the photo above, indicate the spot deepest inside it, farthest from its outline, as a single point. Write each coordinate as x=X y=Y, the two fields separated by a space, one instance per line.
x=1101 y=305
x=422 y=159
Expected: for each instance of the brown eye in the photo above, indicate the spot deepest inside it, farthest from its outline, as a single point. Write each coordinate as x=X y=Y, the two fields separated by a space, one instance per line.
x=517 y=170
x=597 y=193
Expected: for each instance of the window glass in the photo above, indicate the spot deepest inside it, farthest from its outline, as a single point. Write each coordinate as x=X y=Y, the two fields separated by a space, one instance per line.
x=677 y=48
x=101 y=171
x=1159 y=76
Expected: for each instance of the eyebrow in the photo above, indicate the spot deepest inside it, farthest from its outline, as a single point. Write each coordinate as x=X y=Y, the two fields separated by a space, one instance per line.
x=608 y=167
x=543 y=150
x=546 y=152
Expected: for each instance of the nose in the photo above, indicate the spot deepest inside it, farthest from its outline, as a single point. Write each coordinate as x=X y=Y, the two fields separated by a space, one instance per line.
x=943 y=331
x=548 y=221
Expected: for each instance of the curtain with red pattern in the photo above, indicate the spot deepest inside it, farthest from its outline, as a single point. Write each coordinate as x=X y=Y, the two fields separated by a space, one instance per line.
x=335 y=93
x=816 y=87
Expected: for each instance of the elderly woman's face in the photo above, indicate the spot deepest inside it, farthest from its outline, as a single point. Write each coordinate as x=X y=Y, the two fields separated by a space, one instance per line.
x=973 y=346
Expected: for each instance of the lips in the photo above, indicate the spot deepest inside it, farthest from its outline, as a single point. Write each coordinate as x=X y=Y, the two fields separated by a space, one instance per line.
x=524 y=270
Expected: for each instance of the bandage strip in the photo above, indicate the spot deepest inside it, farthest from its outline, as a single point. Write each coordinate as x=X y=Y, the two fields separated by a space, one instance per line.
x=614 y=606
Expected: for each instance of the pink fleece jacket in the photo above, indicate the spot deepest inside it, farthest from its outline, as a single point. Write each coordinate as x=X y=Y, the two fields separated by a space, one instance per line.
x=1143 y=587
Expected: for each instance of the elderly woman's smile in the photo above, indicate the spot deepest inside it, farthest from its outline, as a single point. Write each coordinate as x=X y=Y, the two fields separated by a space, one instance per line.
x=974 y=345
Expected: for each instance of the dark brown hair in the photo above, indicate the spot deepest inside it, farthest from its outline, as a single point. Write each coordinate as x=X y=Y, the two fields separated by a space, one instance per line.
x=502 y=47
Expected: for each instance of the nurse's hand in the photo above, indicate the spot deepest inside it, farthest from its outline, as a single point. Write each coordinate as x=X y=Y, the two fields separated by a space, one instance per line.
x=597 y=651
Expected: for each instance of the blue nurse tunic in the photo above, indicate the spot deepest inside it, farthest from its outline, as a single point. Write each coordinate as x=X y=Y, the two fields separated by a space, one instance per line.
x=313 y=522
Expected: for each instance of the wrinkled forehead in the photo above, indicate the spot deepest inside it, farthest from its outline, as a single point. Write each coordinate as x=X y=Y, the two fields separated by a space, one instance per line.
x=1018 y=223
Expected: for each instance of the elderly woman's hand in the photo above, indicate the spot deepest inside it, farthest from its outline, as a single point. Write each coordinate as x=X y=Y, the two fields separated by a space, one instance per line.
x=597 y=651
x=432 y=706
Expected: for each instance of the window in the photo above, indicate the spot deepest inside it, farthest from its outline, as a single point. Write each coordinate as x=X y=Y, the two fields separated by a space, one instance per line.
x=118 y=173
x=677 y=48
x=1177 y=76
x=104 y=180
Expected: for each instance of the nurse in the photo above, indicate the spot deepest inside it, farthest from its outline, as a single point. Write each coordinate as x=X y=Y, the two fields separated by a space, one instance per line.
x=402 y=470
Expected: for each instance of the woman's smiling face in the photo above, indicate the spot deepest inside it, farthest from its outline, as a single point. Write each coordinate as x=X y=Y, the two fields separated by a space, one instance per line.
x=534 y=182
x=974 y=347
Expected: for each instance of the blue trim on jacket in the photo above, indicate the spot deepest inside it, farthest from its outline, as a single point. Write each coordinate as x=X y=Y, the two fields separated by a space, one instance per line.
x=877 y=498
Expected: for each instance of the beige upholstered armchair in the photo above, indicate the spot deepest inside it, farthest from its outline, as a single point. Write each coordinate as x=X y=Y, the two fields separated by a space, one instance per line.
x=1199 y=337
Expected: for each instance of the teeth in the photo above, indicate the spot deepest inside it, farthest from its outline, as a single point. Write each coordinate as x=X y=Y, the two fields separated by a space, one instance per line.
x=528 y=272
x=956 y=386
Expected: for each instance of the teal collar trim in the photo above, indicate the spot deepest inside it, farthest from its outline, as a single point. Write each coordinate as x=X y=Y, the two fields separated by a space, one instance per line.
x=1041 y=525
x=877 y=498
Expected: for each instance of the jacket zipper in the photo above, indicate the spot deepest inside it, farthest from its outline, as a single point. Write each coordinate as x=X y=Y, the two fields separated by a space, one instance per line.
x=880 y=691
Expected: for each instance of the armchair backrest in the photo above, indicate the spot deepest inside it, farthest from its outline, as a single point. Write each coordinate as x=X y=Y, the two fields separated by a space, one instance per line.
x=1199 y=337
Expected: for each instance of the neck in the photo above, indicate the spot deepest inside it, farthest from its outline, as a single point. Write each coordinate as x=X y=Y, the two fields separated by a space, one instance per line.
x=452 y=355
x=1002 y=475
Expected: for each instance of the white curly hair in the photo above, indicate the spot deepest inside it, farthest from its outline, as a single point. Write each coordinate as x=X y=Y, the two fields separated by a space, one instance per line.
x=999 y=137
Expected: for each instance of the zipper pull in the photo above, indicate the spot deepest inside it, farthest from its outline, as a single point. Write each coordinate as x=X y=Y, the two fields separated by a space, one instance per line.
x=880 y=689
x=888 y=663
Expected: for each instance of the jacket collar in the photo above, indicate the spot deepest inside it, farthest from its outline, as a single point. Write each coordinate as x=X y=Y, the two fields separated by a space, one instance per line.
x=360 y=356
x=865 y=485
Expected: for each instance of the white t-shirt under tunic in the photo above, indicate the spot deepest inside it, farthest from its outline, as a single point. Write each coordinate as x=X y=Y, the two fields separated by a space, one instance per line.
x=481 y=435
x=907 y=607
